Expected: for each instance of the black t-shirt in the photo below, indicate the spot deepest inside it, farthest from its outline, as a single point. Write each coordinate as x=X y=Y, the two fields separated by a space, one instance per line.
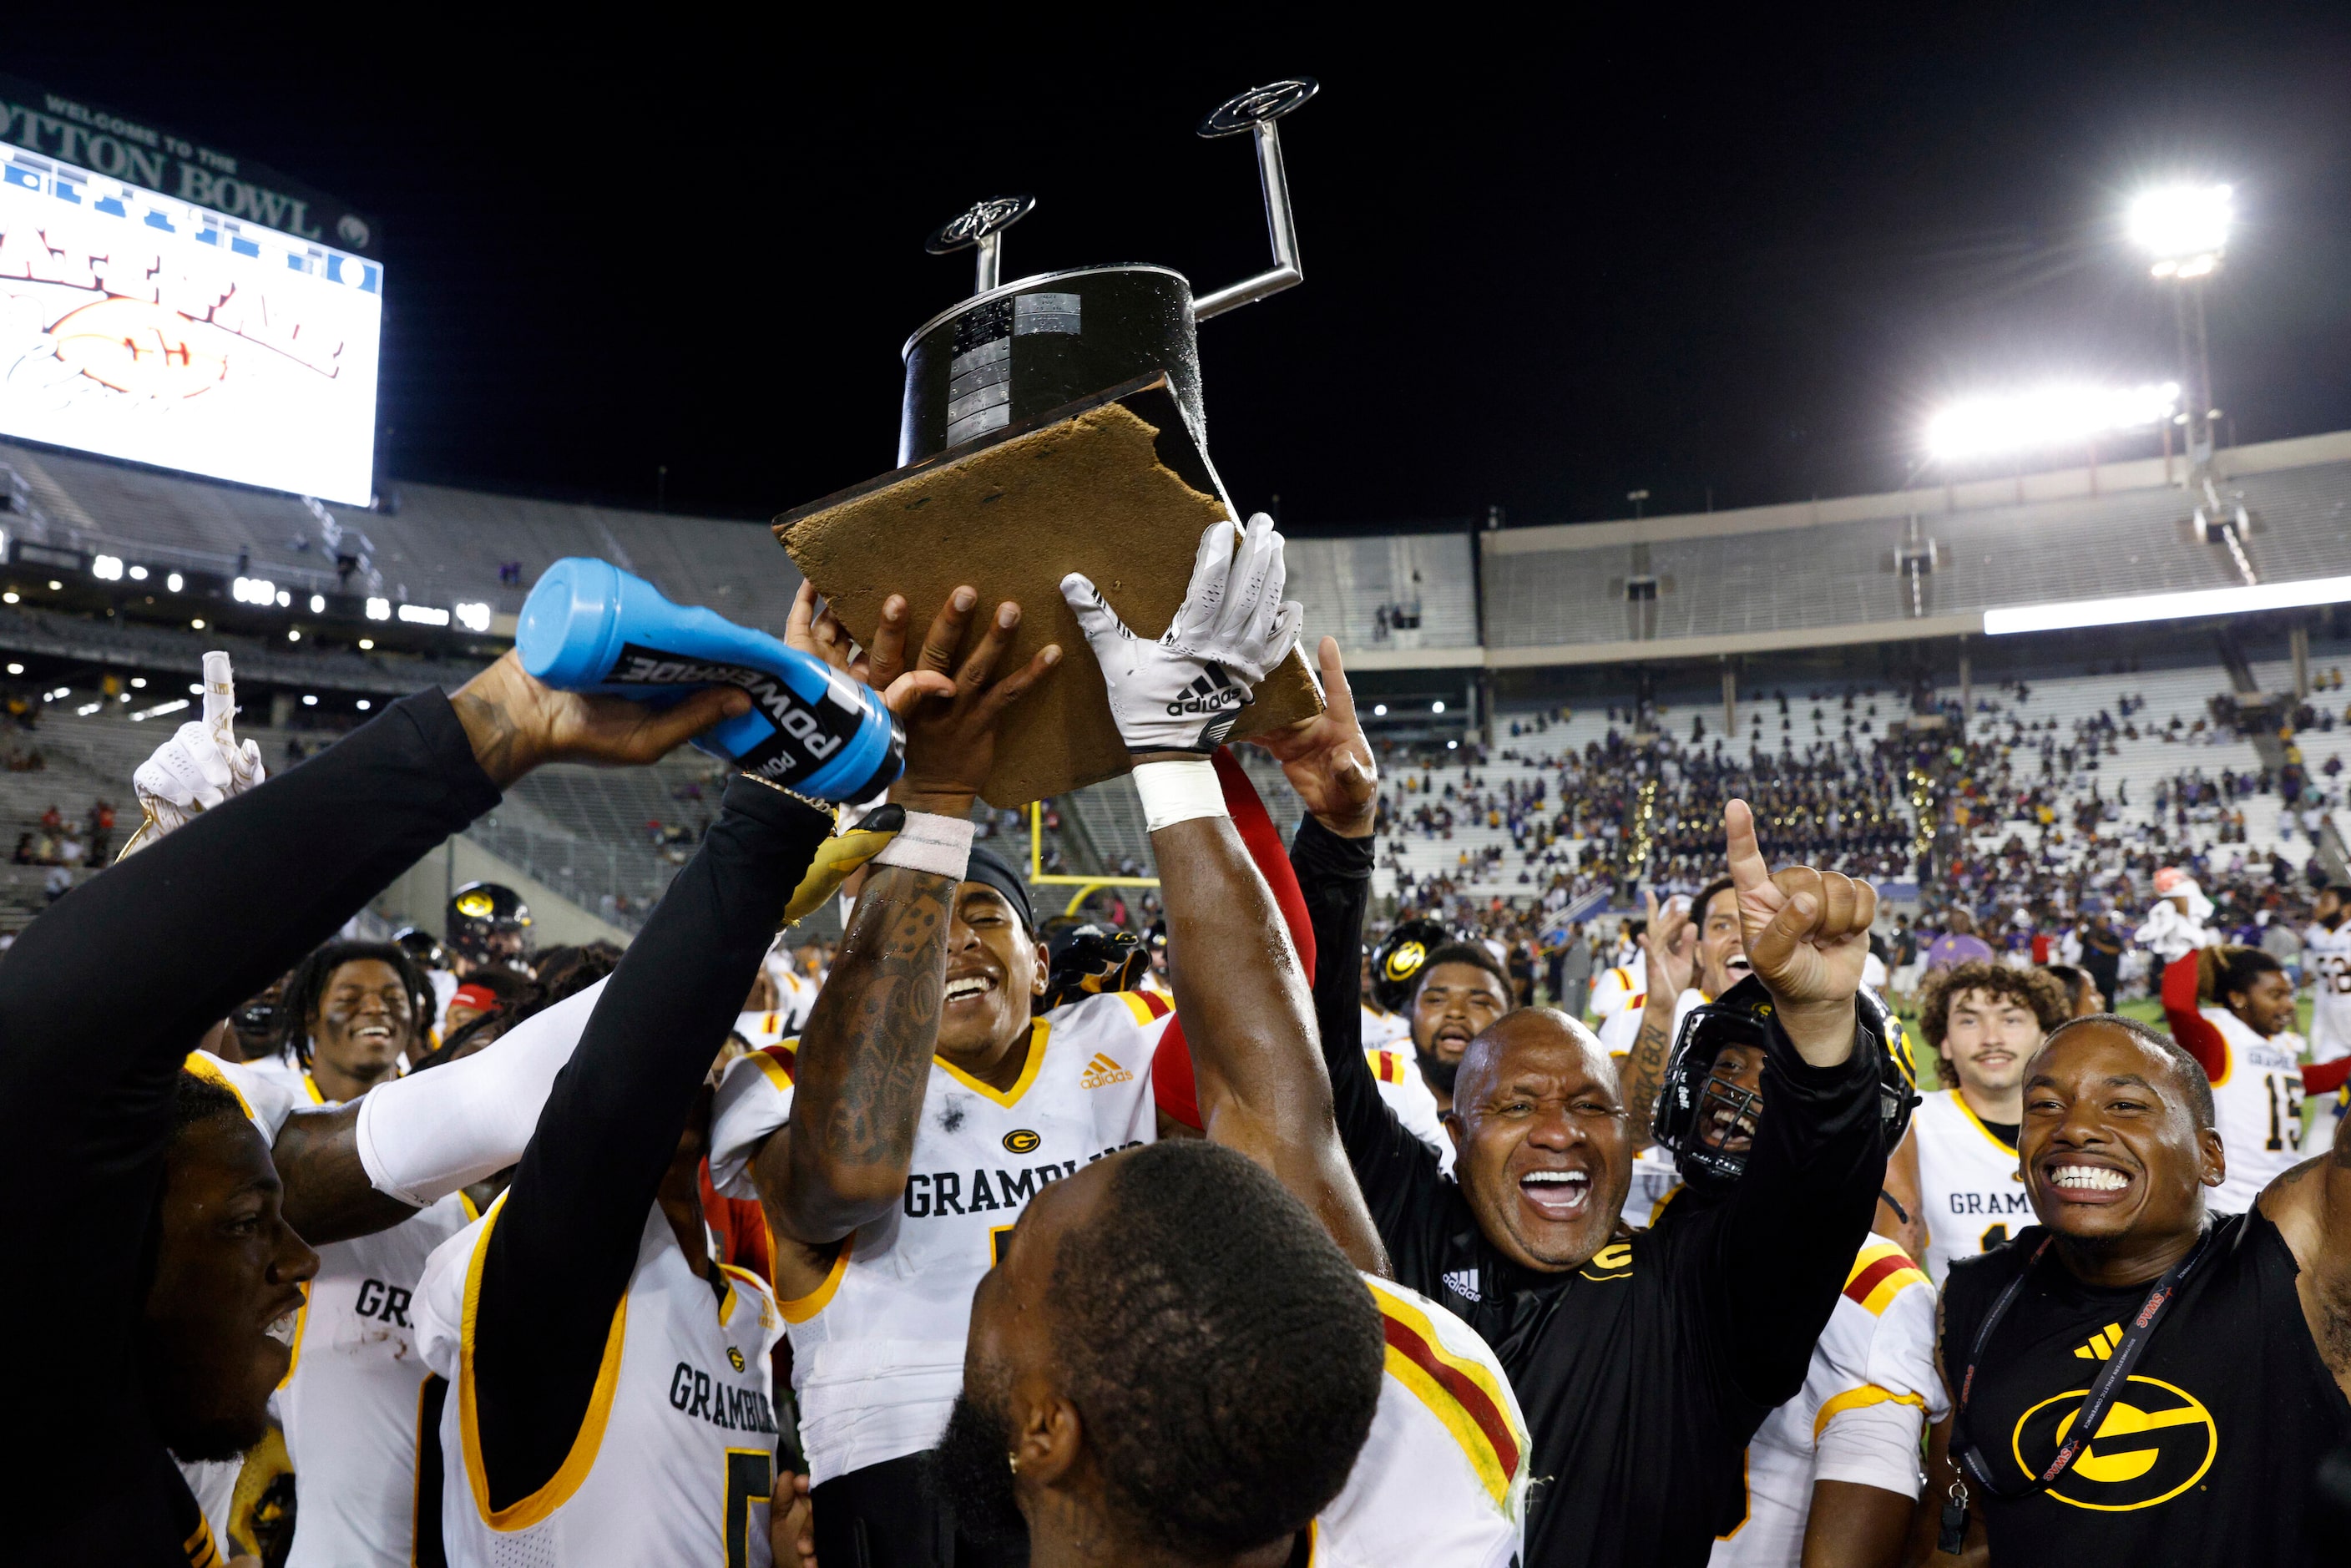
x=2005 y=1131
x=1644 y=1374
x=2209 y=1454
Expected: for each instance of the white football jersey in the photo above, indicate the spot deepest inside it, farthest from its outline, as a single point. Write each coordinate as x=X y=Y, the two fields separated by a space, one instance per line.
x=1970 y=1190
x=877 y=1349
x=1611 y=986
x=766 y=1029
x=2257 y=1105
x=350 y=1400
x=268 y=1098
x=1878 y=1348
x=675 y=1463
x=444 y=988
x=1408 y=1093
x=1385 y=1031
x=1442 y=1479
x=1655 y=1179
x=2326 y=964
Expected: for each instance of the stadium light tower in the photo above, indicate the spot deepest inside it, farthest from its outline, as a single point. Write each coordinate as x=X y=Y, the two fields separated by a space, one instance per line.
x=2184 y=230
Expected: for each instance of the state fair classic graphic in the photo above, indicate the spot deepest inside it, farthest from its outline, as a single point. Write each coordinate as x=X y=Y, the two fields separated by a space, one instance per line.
x=140 y=327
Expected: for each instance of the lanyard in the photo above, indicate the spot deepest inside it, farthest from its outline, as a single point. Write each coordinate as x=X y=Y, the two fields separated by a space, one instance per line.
x=2086 y=1421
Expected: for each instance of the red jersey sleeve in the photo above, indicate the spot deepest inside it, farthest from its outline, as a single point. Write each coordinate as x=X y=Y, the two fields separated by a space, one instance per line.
x=2190 y=1027
x=1173 y=1084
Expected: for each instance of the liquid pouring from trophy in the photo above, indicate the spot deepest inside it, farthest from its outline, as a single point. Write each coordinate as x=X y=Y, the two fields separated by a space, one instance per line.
x=1050 y=425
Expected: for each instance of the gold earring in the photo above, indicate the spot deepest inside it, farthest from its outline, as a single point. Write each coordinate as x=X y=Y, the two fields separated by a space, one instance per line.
x=1013 y=1458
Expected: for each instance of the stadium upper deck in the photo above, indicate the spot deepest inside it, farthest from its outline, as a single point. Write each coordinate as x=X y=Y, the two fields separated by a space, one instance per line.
x=1657 y=589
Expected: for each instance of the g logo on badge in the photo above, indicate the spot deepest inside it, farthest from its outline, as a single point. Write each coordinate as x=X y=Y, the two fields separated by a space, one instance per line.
x=2156 y=1442
x=1021 y=1141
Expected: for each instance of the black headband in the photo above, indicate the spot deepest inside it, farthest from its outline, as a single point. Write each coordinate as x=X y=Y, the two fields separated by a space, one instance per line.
x=986 y=868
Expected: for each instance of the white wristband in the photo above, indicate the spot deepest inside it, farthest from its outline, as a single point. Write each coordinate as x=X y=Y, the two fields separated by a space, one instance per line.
x=930 y=843
x=1178 y=791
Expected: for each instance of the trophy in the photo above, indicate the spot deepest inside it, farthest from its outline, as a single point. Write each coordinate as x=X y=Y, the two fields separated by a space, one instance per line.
x=1053 y=425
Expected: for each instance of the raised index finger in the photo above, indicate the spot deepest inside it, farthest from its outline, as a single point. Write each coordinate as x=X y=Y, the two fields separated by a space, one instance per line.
x=1747 y=870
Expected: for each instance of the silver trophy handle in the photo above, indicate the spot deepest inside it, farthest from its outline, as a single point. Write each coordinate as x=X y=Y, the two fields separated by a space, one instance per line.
x=1257 y=109
x=982 y=227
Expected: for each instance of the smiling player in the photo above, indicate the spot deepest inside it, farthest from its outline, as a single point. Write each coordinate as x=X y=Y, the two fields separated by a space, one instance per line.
x=2214 y=1350
x=1983 y=1022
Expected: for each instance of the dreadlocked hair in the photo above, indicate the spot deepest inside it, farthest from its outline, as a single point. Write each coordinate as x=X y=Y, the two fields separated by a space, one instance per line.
x=1223 y=1354
x=306 y=987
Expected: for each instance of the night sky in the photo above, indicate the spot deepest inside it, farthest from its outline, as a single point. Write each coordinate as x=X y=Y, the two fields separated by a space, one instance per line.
x=1545 y=265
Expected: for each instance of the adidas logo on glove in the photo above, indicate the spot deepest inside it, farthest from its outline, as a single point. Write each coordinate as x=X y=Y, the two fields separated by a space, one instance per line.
x=1212 y=693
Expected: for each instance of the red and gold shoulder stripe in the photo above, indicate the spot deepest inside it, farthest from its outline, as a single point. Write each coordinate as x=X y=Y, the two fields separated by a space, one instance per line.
x=1461 y=1393
x=1881 y=1273
x=1146 y=1005
x=778 y=1061
x=1387 y=1065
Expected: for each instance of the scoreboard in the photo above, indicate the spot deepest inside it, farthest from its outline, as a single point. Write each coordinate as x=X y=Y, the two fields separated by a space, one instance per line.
x=191 y=334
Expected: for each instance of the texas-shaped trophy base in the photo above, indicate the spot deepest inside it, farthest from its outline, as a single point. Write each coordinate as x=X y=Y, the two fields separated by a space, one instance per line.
x=1111 y=486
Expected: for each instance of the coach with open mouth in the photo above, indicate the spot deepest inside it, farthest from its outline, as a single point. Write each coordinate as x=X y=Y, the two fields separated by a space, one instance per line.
x=1644 y=1361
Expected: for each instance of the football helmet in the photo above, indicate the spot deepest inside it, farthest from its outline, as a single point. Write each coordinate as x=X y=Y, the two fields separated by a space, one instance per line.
x=1396 y=962
x=1699 y=1115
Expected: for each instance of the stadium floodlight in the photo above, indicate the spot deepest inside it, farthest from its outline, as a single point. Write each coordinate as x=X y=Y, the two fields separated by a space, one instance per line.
x=174 y=583
x=138 y=574
x=2069 y=414
x=2184 y=228
x=423 y=615
x=317 y=604
x=474 y=617
x=106 y=568
x=378 y=609
x=16 y=669
x=309 y=700
x=365 y=705
x=2136 y=607
x=1379 y=710
x=1437 y=707
x=257 y=590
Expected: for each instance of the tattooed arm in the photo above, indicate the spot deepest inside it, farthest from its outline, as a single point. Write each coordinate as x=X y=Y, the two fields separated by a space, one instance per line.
x=1670 y=958
x=861 y=1064
x=864 y=1059
x=2311 y=1207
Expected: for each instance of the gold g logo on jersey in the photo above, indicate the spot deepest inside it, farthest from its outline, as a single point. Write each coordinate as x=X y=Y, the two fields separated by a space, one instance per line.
x=1405 y=962
x=1021 y=1141
x=2156 y=1442
x=734 y=1358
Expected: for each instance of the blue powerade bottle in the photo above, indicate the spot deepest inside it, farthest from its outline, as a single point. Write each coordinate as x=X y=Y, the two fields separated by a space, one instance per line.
x=588 y=626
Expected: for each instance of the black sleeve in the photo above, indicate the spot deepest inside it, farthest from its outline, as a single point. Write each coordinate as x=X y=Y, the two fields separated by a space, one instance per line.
x=103 y=997
x=1397 y=1171
x=565 y=1242
x=1781 y=1247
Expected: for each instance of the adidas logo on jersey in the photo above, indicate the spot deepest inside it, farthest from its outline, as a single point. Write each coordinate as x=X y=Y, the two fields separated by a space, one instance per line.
x=1463 y=1282
x=1101 y=1072
x=1213 y=692
x=2101 y=1346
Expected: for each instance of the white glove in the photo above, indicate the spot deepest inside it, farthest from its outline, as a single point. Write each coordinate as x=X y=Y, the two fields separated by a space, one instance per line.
x=1186 y=691
x=199 y=767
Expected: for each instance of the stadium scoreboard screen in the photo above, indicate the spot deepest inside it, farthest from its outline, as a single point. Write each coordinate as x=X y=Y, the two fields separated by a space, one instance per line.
x=168 y=304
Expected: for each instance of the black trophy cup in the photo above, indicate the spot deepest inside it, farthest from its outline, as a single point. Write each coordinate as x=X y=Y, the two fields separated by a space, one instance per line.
x=1016 y=349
